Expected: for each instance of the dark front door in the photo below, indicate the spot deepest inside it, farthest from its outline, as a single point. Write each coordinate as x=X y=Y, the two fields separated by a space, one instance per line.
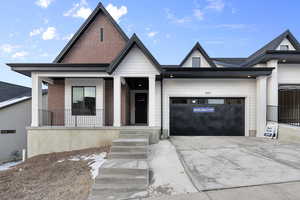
x=141 y=108
x=211 y=117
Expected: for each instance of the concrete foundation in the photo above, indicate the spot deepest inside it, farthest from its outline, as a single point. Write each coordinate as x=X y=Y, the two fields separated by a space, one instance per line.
x=288 y=133
x=43 y=140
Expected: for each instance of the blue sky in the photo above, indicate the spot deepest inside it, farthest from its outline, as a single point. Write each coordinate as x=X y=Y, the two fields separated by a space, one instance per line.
x=36 y=30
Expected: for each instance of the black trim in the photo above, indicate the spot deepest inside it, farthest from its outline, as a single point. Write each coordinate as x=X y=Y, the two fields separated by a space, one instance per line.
x=84 y=26
x=134 y=40
x=202 y=51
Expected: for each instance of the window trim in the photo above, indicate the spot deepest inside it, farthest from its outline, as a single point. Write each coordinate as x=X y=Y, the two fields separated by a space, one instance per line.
x=196 y=57
x=8 y=131
x=83 y=95
x=101 y=34
x=285 y=45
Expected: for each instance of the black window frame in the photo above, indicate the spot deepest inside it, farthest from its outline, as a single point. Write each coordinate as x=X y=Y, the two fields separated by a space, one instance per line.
x=93 y=112
x=8 y=131
x=101 y=34
x=198 y=58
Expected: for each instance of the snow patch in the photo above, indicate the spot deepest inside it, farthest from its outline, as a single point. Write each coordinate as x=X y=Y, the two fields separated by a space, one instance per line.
x=12 y=101
x=96 y=161
x=8 y=165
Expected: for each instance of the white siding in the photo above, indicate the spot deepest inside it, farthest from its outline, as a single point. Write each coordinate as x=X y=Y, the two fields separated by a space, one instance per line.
x=136 y=63
x=196 y=53
x=286 y=42
x=212 y=88
x=157 y=104
x=99 y=83
x=289 y=74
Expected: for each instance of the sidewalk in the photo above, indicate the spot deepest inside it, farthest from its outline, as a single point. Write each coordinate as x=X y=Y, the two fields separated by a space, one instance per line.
x=284 y=191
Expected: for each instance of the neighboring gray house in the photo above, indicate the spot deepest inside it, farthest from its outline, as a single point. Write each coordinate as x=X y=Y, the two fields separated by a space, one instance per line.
x=15 y=116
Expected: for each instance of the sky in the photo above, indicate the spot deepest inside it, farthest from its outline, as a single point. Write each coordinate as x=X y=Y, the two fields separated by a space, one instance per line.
x=37 y=30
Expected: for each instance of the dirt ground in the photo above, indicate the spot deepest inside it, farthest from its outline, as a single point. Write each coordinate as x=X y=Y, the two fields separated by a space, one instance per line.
x=44 y=178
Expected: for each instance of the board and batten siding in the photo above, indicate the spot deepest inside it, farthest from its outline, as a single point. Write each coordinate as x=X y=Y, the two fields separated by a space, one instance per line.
x=196 y=53
x=136 y=63
x=212 y=88
x=289 y=73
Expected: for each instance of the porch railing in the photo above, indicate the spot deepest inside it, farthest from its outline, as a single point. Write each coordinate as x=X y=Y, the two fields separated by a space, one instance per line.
x=284 y=114
x=66 y=118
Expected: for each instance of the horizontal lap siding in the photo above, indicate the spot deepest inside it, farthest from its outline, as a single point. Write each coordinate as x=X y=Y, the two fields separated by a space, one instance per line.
x=289 y=74
x=212 y=88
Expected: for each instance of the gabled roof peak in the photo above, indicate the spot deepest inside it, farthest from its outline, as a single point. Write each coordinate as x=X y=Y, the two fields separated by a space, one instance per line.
x=198 y=47
x=134 y=40
x=85 y=25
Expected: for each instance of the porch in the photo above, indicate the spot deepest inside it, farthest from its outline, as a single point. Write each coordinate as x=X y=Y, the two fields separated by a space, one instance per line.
x=94 y=102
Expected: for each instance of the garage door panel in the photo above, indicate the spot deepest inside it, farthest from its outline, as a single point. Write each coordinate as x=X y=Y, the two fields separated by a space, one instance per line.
x=207 y=119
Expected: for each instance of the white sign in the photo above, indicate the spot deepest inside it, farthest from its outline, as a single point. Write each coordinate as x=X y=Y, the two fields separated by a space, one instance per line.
x=271 y=130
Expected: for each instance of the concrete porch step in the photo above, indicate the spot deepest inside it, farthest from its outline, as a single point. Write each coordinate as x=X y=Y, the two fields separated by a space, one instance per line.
x=128 y=155
x=112 y=194
x=141 y=149
x=122 y=179
x=130 y=142
x=128 y=136
x=103 y=186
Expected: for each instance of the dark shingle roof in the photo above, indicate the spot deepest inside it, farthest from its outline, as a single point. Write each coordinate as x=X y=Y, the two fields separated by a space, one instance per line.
x=9 y=91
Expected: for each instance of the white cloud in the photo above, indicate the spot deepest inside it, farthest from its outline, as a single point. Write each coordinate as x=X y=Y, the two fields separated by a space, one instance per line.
x=79 y=10
x=175 y=19
x=49 y=34
x=232 y=26
x=20 y=54
x=43 y=3
x=198 y=14
x=8 y=48
x=68 y=37
x=152 y=34
x=217 y=5
x=35 y=32
x=116 y=12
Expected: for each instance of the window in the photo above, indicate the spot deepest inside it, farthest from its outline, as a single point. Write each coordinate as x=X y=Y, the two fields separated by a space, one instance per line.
x=284 y=47
x=196 y=62
x=8 y=131
x=101 y=34
x=83 y=100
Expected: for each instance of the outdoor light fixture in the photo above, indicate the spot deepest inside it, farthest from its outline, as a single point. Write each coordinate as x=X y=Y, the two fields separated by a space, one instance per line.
x=140 y=85
x=249 y=76
x=283 y=61
x=171 y=76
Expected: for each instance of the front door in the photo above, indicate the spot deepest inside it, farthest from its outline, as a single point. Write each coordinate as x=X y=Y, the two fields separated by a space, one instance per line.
x=141 y=108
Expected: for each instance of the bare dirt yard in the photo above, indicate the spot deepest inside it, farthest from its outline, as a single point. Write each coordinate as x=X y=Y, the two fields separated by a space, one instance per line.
x=55 y=176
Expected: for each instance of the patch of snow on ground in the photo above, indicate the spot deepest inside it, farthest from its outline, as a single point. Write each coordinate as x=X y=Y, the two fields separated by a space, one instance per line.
x=168 y=173
x=96 y=162
x=8 y=165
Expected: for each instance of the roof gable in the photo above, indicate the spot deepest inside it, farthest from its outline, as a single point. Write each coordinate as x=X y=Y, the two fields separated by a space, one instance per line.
x=99 y=9
x=134 y=41
x=275 y=43
x=203 y=53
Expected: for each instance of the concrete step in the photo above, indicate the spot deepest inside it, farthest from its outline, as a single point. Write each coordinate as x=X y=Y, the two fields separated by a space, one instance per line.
x=118 y=187
x=122 y=179
x=128 y=136
x=130 y=142
x=111 y=194
x=127 y=166
x=141 y=149
x=128 y=155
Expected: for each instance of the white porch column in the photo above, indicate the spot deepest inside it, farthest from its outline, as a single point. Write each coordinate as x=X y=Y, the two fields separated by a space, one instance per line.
x=273 y=84
x=151 y=109
x=261 y=105
x=36 y=102
x=117 y=101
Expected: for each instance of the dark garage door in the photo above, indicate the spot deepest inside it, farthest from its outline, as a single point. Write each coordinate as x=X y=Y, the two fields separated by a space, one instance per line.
x=210 y=117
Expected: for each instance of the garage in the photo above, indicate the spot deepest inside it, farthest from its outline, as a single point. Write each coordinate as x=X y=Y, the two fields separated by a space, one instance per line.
x=207 y=116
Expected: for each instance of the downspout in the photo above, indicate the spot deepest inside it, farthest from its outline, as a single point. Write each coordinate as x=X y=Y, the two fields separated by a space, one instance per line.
x=161 y=106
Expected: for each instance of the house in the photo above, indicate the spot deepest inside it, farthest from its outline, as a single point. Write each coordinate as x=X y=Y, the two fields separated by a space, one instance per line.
x=103 y=83
x=15 y=116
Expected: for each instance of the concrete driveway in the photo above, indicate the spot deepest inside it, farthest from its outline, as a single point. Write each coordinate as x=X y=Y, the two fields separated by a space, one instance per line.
x=227 y=162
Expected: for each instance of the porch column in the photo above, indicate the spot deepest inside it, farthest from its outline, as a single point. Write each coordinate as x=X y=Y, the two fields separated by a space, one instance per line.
x=117 y=101
x=261 y=105
x=273 y=84
x=152 y=99
x=36 y=102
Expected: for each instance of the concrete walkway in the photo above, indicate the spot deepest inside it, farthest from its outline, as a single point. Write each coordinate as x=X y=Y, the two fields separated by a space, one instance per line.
x=285 y=191
x=227 y=162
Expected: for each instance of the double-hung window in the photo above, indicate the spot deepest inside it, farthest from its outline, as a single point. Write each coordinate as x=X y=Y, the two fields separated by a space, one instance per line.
x=196 y=62
x=83 y=100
